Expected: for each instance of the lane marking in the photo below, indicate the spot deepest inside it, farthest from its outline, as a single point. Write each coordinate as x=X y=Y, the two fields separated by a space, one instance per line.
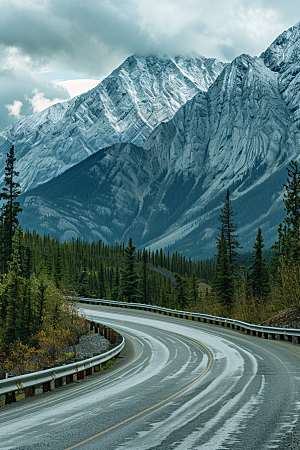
x=157 y=404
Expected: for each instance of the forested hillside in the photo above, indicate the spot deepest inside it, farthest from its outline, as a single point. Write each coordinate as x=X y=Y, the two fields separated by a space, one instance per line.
x=41 y=278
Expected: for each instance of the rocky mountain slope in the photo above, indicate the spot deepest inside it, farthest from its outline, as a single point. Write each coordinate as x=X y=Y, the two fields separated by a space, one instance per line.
x=125 y=107
x=239 y=135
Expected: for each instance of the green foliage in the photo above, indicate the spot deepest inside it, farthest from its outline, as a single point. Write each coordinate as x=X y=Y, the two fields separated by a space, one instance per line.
x=181 y=291
x=130 y=279
x=224 y=279
x=9 y=211
x=229 y=230
x=259 y=270
x=292 y=207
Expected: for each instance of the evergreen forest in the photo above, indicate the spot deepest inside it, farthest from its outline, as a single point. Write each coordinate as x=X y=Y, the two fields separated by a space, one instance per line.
x=40 y=276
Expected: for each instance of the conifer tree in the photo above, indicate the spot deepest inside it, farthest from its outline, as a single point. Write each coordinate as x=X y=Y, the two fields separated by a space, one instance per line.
x=130 y=279
x=14 y=292
x=229 y=230
x=102 y=290
x=10 y=209
x=194 y=289
x=116 y=285
x=259 y=270
x=224 y=279
x=82 y=282
x=292 y=207
x=145 y=288
x=181 y=291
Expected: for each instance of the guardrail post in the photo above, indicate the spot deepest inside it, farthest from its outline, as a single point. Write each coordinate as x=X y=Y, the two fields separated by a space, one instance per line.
x=69 y=379
x=80 y=375
x=47 y=386
x=101 y=329
x=89 y=371
x=30 y=391
x=113 y=337
x=281 y=337
x=10 y=397
x=58 y=382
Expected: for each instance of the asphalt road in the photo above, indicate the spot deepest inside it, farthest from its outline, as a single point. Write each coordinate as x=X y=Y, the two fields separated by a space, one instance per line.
x=178 y=385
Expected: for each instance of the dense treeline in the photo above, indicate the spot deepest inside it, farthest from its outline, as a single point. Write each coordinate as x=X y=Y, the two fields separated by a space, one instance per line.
x=103 y=271
x=36 y=320
x=39 y=275
x=258 y=290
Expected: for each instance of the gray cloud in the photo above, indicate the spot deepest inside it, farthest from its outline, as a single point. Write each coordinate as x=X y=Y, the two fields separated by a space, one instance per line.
x=18 y=84
x=91 y=38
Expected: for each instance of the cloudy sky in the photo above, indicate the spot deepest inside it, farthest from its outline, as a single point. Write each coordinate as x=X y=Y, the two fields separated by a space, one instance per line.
x=51 y=50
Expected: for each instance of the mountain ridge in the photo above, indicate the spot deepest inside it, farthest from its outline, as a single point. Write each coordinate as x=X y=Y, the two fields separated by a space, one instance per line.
x=124 y=107
x=239 y=134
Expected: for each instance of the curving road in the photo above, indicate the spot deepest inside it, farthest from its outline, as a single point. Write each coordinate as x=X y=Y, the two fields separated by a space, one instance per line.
x=180 y=385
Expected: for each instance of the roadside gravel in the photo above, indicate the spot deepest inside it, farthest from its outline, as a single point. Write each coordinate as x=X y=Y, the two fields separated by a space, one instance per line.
x=89 y=345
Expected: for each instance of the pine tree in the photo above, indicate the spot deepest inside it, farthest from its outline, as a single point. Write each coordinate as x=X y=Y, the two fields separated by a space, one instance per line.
x=145 y=288
x=181 y=291
x=82 y=281
x=292 y=207
x=259 y=270
x=229 y=230
x=10 y=209
x=194 y=289
x=224 y=279
x=116 y=285
x=58 y=266
x=14 y=293
x=130 y=279
x=102 y=291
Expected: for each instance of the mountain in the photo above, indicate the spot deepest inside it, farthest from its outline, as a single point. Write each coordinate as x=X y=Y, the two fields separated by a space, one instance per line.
x=239 y=135
x=125 y=107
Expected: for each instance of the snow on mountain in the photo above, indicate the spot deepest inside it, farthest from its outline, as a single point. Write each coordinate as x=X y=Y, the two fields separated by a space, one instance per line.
x=235 y=136
x=124 y=107
x=168 y=193
x=239 y=134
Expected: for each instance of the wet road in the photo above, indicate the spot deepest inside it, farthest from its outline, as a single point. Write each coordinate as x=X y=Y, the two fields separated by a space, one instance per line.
x=180 y=385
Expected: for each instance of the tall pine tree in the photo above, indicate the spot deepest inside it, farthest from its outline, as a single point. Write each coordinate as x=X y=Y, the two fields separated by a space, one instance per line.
x=9 y=210
x=292 y=207
x=224 y=279
x=259 y=270
x=229 y=230
x=130 y=278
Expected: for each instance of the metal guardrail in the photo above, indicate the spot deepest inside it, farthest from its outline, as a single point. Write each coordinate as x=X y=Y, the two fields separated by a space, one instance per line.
x=249 y=328
x=44 y=376
x=29 y=381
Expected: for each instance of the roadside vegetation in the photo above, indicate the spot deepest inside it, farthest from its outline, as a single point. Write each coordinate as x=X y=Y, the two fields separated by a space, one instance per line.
x=39 y=275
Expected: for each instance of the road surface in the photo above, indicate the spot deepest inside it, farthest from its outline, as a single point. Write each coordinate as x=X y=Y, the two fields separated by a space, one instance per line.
x=180 y=385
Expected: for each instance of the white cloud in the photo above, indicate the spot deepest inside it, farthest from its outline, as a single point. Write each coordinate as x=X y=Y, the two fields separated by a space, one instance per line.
x=90 y=39
x=39 y=102
x=15 y=109
x=77 y=87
